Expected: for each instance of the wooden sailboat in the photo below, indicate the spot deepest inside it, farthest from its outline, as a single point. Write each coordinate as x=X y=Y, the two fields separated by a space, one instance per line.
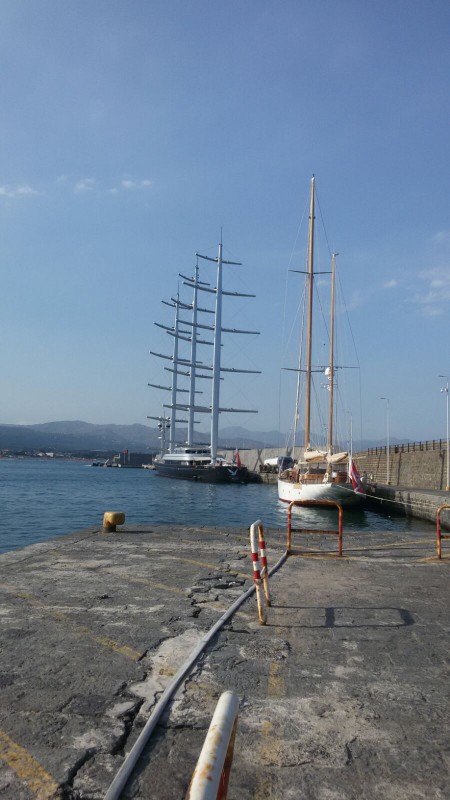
x=191 y=461
x=320 y=473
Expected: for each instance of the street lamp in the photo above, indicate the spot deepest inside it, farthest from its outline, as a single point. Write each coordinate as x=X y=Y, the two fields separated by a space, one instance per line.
x=388 y=474
x=445 y=390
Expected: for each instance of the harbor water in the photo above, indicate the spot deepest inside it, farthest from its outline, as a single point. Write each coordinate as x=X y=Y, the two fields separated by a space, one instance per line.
x=42 y=499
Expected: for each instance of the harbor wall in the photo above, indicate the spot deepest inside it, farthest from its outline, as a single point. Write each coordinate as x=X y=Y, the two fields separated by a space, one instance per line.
x=421 y=504
x=421 y=465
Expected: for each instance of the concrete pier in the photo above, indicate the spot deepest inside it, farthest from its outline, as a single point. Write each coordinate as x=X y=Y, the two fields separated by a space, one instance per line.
x=417 y=503
x=343 y=692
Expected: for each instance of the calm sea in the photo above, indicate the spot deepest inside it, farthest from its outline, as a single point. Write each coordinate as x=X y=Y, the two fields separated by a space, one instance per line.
x=41 y=499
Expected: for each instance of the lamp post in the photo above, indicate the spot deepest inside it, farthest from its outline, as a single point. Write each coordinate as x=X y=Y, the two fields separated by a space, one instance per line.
x=445 y=390
x=388 y=472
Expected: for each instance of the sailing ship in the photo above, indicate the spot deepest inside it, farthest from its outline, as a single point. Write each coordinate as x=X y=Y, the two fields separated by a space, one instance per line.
x=320 y=473
x=190 y=460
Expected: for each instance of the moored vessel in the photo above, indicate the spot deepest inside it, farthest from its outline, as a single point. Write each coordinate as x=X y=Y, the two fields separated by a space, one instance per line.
x=196 y=464
x=320 y=473
x=191 y=460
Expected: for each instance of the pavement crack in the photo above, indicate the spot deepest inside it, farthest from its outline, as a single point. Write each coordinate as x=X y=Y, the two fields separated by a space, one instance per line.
x=348 y=750
x=67 y=791
x=128 y=727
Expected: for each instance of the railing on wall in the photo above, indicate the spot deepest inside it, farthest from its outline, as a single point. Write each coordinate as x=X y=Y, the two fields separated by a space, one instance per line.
x=409 y=447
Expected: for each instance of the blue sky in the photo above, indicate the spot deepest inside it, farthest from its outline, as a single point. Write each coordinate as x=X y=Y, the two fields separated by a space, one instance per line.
x=132 y=131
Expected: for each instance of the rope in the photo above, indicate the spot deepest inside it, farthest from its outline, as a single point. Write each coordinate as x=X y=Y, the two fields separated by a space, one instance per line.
x=398 y=502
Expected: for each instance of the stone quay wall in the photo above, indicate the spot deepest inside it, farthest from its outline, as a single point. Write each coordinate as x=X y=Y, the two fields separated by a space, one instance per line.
x=421 y=465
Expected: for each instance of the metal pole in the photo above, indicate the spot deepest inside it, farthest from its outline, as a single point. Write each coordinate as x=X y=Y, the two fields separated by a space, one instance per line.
x=331 y=385
x=191 y=417
x=310 y=308
x=388 y=471
x=216 y=360
x=211 y=775
x=447 y=488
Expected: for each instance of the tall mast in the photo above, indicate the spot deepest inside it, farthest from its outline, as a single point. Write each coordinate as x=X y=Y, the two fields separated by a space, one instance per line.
x=216 y=359
x=174 y=389
x=189 y=330
x=173 y=399
x=331 y=375
x=191 y=417
x=216 y=367
x=310 y=310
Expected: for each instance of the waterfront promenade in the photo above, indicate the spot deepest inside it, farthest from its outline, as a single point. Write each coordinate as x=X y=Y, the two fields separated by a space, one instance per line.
x=343 y=694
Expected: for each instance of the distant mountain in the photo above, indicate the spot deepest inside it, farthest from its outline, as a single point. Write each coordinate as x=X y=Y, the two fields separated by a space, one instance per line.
x=76 y=436
x=73 y=436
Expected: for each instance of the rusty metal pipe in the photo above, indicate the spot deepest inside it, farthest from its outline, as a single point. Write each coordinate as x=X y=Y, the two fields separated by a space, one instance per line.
x=338 y=533
x=439 y=534
x=211 y=775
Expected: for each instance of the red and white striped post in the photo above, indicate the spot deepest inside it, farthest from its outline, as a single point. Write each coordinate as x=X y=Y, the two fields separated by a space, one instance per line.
x=260 y=570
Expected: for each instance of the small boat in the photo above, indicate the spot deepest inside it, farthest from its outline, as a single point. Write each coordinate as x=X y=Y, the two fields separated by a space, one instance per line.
x=190 y=460
x=320 y=473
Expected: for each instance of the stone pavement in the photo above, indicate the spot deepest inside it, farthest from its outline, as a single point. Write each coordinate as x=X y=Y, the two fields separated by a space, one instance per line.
x=343 y=694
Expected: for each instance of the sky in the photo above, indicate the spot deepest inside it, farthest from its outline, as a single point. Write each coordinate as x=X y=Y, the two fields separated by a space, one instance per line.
x=134 y=131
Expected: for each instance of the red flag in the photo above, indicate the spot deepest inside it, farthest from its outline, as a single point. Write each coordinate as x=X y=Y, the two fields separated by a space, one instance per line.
x=354 y=476
x=237 y=459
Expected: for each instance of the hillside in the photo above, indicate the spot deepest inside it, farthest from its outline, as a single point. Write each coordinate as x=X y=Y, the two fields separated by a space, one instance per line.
x=74 y=436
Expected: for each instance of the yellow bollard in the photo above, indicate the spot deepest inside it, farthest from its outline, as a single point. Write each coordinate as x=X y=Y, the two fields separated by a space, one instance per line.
x=111 y=519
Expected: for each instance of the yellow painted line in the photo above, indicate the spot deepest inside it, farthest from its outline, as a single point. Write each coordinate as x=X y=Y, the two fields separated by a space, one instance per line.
x=278 y=537
x=306 y=553
x=271 y=743
x=164 y=586
x=434 y=560
x=270 y=752
x=111 y=644
x=27 y=769
x=61 y=616
x=210 y=531
x=407 y=543
x=276 y=686
x=206 y=565
x=317 y=554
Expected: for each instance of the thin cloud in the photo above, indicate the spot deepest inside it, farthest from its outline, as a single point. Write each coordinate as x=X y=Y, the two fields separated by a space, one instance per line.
x=132 y=185
x=435 y=297
x=17 y=191
x=432 y=311
x=357 y=299
x=442 y=237
x=390 y=284
x=85 y=185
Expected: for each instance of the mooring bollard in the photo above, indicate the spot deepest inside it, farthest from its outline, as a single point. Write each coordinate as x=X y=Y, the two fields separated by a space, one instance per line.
x=258 y=548
x=111 y=519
